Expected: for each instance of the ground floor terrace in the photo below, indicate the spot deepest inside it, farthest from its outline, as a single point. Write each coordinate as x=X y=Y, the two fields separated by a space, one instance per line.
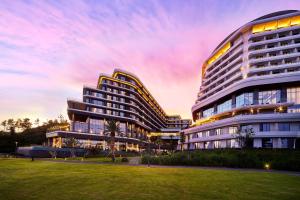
x=276 y=143
x=59 y=139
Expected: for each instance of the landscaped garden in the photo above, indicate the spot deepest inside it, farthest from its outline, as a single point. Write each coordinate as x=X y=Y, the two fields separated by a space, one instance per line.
x=24 y=179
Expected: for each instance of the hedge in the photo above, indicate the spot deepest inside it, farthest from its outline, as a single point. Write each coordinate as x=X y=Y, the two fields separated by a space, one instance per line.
x=280 y=159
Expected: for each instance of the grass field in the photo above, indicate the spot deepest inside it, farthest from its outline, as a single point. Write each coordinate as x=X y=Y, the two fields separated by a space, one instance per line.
x=23 y=179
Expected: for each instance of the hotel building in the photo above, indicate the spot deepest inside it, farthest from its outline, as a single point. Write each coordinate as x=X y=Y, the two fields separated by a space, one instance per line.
x=121 y=97
x=251 y=81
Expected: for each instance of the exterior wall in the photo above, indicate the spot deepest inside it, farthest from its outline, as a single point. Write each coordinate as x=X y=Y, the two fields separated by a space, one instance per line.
x=252 y=79
x=121 y=97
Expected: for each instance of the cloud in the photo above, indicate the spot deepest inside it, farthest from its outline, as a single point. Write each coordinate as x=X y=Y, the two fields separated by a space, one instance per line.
x=49 y=49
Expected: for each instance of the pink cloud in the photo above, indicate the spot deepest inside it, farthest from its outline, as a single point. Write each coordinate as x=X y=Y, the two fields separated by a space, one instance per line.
x=61 y=47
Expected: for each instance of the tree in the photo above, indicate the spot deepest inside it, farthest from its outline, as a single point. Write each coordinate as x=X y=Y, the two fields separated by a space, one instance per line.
x=182 y=140
x=245 y=137
x=25 y=124
x=37 y=122
x=159 y=142
x=172 y=143
x=18 y=124
x=4 y=123
x=153 y=139
x=71 y=142
x=11 y=124
x=111 y=128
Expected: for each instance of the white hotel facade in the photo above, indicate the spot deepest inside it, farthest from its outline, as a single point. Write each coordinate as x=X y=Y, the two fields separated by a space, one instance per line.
x=251 y=81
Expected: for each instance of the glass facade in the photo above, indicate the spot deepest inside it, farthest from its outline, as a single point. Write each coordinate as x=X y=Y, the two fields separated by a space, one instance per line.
x=293 y=95
x=208 y=112
x=227 y=105
x=80 y=127
x=244 y=99
x=269 y=97
x=96 y=126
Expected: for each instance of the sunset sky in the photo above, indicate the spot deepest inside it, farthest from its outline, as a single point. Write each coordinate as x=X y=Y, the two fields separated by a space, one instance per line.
x=50 y=49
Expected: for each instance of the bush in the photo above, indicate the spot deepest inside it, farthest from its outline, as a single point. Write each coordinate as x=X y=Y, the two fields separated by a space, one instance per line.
x=124 y=159
x=280 y=159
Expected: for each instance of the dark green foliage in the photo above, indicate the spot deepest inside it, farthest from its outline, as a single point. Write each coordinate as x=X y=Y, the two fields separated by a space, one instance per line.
x=124 y=159
x=26 y=136
x=247 y=158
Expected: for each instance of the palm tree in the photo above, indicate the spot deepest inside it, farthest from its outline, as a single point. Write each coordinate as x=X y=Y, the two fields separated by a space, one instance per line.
x=159 y=142
x=111 y=128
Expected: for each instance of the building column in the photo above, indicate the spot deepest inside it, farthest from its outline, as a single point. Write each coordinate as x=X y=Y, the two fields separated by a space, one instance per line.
x=255 y=97
x=89 y=125
x=72 y=123
x=283 y=95
x=233 y=101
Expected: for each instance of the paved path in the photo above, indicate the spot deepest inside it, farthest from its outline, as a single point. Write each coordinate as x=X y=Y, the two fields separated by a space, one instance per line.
x=180 y=167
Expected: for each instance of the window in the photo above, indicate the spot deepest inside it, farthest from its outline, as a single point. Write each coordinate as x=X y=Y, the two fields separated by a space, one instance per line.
x=97 y=102
x=80 y=126
x=244 y=100
x=269 y=97
x=218 y=131
x=267 y=143
x=283 y=126
x=96 y=126
x=232 y=130
x=109 y=112
x=265 y=127
x=97 y=110
x=227 y=105
x=287 y=143
x=293 y=95
x=208 y=112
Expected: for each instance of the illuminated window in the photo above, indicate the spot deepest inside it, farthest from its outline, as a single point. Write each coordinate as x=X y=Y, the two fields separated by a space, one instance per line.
x=232 y=130
x=293 y=95
x=273 y=25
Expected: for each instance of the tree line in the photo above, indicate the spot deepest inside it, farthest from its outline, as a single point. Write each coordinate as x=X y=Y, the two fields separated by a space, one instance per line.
x=24 y=132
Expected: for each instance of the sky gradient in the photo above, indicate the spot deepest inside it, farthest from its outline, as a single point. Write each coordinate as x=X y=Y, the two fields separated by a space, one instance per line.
x=50 y=49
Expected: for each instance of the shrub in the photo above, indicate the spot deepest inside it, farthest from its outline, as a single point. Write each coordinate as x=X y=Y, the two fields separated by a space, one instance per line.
x=280 y=159
x=124 y=159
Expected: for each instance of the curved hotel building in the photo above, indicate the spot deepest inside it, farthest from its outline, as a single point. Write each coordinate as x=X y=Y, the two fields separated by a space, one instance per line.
x=251 y=81
x=121 y=97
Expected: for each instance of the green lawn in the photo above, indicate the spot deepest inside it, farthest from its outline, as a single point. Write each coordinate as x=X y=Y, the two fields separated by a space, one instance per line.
x=23 y=179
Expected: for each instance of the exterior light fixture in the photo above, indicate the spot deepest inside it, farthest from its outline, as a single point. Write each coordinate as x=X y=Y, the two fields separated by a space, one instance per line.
x=267 y=166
